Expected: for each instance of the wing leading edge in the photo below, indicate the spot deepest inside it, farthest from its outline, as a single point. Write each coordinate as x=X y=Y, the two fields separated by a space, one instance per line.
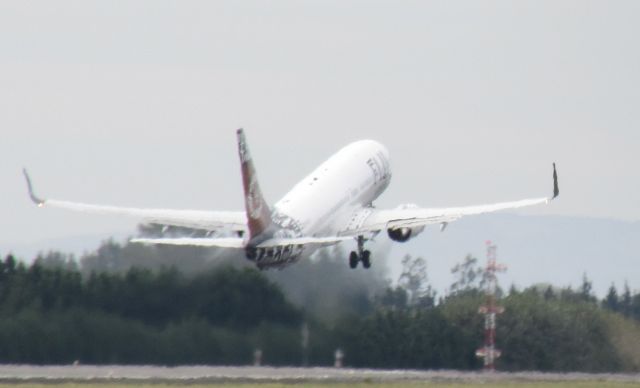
x=417 y=217
x=196 y=219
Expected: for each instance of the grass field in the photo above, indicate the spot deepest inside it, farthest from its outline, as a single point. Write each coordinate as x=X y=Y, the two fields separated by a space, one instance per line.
x=514 y=384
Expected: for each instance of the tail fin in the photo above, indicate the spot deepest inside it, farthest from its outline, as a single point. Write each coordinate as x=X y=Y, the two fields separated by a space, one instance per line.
x=258 y=213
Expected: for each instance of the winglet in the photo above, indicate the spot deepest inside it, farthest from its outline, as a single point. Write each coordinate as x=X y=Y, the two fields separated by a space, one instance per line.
x=556 y=190
x=258 y=212
x=38 y=201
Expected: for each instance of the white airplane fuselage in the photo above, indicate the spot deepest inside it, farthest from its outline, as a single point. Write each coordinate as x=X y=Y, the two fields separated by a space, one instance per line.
x=330 y=200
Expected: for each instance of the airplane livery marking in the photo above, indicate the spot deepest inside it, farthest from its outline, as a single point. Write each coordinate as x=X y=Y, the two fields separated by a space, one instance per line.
x=254 y=199
x=244 y=155
x=379 y=166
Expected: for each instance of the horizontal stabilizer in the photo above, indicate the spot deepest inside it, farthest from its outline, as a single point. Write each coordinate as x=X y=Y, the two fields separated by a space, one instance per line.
x=227 y=242
x=237 y=242
x=323 y=241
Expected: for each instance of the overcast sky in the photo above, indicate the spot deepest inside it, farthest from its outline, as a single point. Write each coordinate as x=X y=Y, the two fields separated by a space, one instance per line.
x=136 y=103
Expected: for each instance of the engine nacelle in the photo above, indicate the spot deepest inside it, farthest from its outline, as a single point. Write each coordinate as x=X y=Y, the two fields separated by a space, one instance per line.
x=404 y=234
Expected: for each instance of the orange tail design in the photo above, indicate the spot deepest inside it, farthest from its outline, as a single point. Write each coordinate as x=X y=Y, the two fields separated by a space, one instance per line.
x=258 y=212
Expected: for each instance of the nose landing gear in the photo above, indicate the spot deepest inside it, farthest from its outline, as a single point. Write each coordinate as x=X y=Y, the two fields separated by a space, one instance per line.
x=361 y=255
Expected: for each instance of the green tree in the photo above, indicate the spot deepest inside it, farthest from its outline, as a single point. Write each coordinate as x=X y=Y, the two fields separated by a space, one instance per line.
x=469 y=276
x=586 y=289
x=635 y=306
x=626 y=301
x=393 y=299
x=414 y=279
x=611 y=301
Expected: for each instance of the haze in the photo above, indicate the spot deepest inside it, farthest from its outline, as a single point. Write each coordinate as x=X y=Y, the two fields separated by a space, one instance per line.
x=136 y=103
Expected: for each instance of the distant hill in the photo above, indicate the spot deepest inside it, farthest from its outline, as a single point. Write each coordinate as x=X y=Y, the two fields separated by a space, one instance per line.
x=549 y=249
x=537 y=249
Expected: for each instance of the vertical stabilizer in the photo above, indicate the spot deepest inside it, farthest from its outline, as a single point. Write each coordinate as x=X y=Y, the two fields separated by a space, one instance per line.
x=258 y=213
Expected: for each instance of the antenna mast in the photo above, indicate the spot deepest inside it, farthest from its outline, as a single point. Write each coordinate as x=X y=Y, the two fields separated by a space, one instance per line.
x=490 y=309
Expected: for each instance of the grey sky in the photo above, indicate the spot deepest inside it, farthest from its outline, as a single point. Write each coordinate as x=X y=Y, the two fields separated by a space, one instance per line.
x=136 y=103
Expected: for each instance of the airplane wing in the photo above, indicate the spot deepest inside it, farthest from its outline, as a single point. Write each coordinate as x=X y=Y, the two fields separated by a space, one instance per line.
x=416 y=217
x=196 y=219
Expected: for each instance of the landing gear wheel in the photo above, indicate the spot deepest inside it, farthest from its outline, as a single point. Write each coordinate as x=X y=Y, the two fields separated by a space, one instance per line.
x=366 y=259
x=251 y=253
x=353 y=259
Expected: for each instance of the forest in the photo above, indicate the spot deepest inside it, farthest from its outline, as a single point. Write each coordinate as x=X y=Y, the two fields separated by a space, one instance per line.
x=132 y=304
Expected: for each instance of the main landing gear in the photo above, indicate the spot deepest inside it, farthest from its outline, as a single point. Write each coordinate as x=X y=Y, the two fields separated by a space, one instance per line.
x=361 y=255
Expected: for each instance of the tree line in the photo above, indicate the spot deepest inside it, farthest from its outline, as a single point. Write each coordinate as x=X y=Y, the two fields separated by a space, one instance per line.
x=55 y=315
x=109 y=308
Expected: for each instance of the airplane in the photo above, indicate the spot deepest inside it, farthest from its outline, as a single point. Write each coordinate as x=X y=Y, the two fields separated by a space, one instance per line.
x=331 y=205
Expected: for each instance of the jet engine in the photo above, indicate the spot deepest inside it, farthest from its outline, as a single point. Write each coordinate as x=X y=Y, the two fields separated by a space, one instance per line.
x=404 y=234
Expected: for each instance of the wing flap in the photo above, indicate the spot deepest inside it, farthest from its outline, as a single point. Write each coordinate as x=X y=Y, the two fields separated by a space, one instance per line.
x=322 y=241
